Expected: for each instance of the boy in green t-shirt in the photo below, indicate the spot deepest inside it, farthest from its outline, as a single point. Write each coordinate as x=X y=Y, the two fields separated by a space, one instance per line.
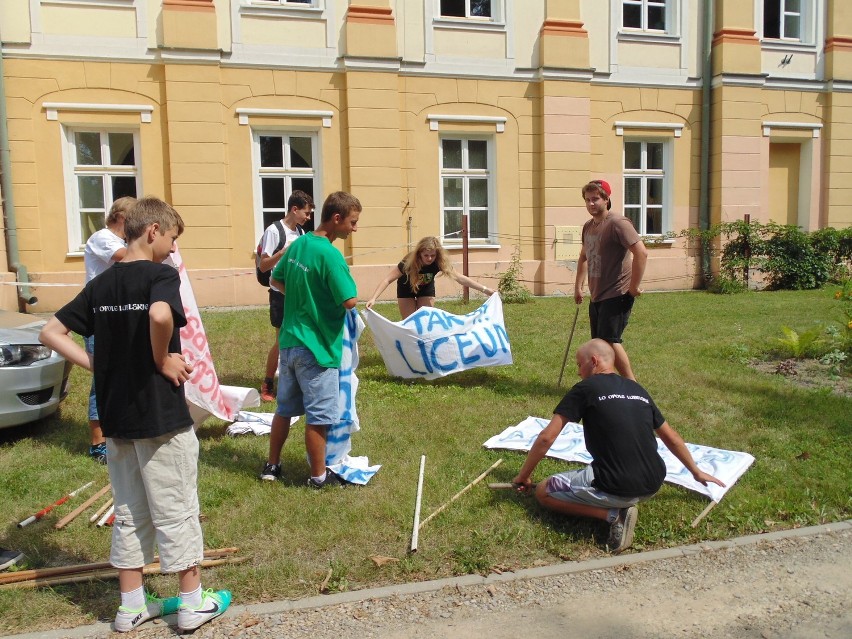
x=319 y=291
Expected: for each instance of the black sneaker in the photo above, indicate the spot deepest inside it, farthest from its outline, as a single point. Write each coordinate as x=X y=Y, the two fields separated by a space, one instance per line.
x=9 y=557
x=271 y=472
x=331 y=479
x=98 y=452
x=621 y=530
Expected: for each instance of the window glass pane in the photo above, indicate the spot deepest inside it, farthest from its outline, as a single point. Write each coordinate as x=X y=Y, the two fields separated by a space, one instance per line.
x=791 y=26
x=633 y=214
x=657 y=18
x=452 y=192
x=453 y=8
x=452 y=224
x=632 y=191
x=632 y=155
x=271 y=151
x=91 y=189
x=478 y=195
x=655 y=155
x=121 y=149
x=272 y=193
x=91 y=222
x=480 y=8
x=793 y=6
x=772 y=18
x=123 y=185
x=452 y=152
x=655 y=192
x=477 y=154
x=300 y=153
x=478 y=225
x=307 y=185
x=655 y=222
x=88 y=148
x=632 y=16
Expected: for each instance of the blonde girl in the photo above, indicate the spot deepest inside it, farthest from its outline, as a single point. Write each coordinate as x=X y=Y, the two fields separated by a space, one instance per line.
x=415 y=277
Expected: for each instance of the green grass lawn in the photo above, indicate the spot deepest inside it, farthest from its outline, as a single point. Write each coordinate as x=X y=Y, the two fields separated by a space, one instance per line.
x=686 y=348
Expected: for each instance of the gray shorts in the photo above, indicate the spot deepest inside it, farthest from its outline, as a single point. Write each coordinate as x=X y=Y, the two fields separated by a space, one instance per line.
x=155 y=486
x=306 y=388
x=575 y=486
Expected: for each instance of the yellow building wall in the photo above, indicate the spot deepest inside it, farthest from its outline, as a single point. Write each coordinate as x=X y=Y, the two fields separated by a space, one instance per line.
x=97 y=22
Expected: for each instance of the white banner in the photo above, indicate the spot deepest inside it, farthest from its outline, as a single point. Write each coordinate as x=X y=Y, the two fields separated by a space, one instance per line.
x=727 y=465
x=203 y=392
x=432 y=343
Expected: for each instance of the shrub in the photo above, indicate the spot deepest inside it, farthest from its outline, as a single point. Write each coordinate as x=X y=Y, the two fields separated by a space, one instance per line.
x=724 y=285
x=511 y=290
x=791 y=260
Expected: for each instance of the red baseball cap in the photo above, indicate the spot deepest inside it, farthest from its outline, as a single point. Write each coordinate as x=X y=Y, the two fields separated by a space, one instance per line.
x=605 y=186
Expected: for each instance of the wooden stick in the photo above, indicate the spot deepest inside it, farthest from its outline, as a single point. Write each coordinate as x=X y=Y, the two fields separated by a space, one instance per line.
x=58 y=502
x=100 y=511
x=506 y=485
x=103 y=520
x=417 y=502
x=704 y=513
x=111 y=573
x=463 y=491
x=74 y=513
x=39 y=573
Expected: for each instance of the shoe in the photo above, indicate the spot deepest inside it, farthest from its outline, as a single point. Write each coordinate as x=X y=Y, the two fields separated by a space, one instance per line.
x=267 y=394
x=331 y=479
x=98 y=452
x=621 y=530
x=127 y=620
x=212 y=605
x=271 y=472
x=9 y=557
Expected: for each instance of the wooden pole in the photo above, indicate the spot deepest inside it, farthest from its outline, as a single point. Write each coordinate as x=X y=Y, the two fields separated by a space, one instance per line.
x=568 y=347
x=103 y=520
x=58 y=502
x=463 y=491
x=506 y=485
x=100 y=511
x=74 y=513
x=465 y=258
x=704 y=512
x=416 y=534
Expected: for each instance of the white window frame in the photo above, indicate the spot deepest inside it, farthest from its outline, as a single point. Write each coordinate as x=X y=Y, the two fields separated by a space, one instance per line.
x=496 y=13
x=466 y=174
x=76 y=243
x=807 y=21
x=668 y=8
x=645 y=175
x=285 y=172
x=285 y=4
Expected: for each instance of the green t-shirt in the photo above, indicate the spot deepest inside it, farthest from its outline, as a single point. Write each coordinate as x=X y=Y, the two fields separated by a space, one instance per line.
x=316 y=283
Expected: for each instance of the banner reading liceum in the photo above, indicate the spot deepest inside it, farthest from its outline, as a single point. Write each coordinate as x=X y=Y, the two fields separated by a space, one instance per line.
x=727 y=465
x=432 y=343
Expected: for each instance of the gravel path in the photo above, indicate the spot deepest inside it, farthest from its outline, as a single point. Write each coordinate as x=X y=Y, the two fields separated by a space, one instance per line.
x=793 y=585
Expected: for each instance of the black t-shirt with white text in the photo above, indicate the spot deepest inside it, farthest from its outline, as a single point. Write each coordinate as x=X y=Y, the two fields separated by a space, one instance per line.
x=619 y=419
x=134 y=400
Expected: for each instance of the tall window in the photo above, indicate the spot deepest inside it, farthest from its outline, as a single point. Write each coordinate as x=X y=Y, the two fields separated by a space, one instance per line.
x=466 y=188
x=104 y=168
x=783 y=19
x=645 y=185
x=285 y=163
x=646 y=15
x=466 y=8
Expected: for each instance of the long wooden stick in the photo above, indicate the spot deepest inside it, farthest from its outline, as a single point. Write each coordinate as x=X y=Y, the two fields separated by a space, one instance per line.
x=416 y=534
x=568 y=347
x=506 y=485
x=41 y=573
x=74 y=513
x=111 y=573
x=463 y=491
x=100 y=511
x=704 y=512
x=58 y=502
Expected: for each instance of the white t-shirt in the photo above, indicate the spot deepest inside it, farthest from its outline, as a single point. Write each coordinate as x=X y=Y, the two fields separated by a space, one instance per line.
x=100 y=248
x=270 y=238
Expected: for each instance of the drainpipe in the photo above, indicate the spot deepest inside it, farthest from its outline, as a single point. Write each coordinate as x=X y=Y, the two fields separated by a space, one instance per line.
x=11 y=227
x=704 y=172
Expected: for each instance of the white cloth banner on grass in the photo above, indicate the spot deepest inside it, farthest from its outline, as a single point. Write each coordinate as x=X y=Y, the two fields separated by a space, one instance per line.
x=356 y=470
x=432 y=343
x=204 y=395
x=727 y=465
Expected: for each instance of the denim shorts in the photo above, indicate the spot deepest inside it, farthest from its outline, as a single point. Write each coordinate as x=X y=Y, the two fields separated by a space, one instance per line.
x=89 y=343
x=575 y=486
x=155 y=486
x=306 y=388
x=608 y=317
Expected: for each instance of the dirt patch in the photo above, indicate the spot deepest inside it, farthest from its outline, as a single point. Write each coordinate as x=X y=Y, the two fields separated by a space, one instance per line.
x=806 y=373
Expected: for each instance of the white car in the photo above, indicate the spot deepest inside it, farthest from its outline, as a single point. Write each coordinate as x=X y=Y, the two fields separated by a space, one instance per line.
x=33 y=379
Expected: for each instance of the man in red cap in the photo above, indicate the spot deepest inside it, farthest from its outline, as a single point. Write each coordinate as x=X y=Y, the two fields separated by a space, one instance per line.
x=609 y=242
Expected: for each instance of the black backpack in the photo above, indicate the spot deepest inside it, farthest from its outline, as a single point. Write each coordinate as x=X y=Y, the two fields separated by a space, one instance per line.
x=263 y=276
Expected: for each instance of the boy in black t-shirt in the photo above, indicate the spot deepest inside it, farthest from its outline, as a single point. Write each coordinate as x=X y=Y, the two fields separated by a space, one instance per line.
x=620 y=421
x=134 y=310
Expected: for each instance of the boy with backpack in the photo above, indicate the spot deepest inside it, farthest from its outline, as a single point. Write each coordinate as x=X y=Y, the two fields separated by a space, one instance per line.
x=134 y=310
x=276 y=239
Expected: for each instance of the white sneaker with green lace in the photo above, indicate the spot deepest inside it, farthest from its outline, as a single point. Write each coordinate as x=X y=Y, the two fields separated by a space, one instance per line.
x=127 y=620
x=212 y=605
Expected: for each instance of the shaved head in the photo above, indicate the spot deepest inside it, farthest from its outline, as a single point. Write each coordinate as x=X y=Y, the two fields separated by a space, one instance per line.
x=599 y=354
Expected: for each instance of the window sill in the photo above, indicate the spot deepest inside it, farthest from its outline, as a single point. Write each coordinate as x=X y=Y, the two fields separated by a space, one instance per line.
x=657 y=240
x=659 y=37
x=478 y=24
x=75 y=254
x=282 y=11
x=774 y=44
x=470 y=247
